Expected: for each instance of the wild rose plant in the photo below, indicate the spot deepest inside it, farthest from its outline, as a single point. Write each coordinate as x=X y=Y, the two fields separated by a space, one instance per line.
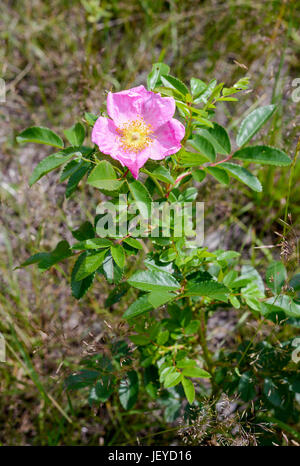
x=158 y=146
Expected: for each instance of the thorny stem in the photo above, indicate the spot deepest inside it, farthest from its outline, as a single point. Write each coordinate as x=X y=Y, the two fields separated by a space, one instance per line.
x=221 y=161
x=178 y=179
x=202 y=332
x=124 y=174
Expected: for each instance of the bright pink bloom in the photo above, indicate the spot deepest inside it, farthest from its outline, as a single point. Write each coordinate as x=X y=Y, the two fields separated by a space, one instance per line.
x=140 y=127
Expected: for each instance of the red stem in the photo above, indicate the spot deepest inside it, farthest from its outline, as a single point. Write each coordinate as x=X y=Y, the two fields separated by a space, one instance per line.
x=221 y=161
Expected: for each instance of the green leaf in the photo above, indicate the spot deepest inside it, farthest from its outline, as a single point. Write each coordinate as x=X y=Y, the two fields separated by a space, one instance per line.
x=90 y=118
x=128 y=390
x=111 y=270
x=196 y=372
x=166 y=371
x=219 y=174
x=198 y=175
x=253 y=122
x=215 y=95
x=188 y=195
x=184 y=363
x=156 y=265
x=200 y=121
x=118 y=255
x=174 y=83
x=158 y=298
x=116 y=294
x=201 y=275
x=210 y=289
x=190 y=159
x=204 y=96
x=203 y=146
x=103 y=176
x=138 y=307
x=40 y=135
x=142 y=197
x=153 y=281
x=172 y=409
x=168 y=91
x=163 y=174
x=168 y=255
x=172 y=379
x=246 y=387
x=225 y=257
x=45 y=260
x=295 y=282
x=140 y=340
x=243 y=175
x=294 y=382
x=92 y=243
x=151 y=381
x=192 y=327
x=283 y=303
x=253 y=303
x=274 y=313
x=153 y=79
x=189 y=390
x=69 y=169
x=90 y=264
x=249 y=272
x=85 y=231
x=218 y=137
x=79 y=288
x=230 y=277
x=162 y=337
x=252 y=295
x=75 y=135
x=134 y=243
x=51 y=162
x=235 y=302
x=199 y=111
x=242 y=84
x=75 y=179
x=84 y=378
x=184 y=109
x=271 y=392
x=276 y=276
x=263 y=154
x=197 y=87
x=104 y=389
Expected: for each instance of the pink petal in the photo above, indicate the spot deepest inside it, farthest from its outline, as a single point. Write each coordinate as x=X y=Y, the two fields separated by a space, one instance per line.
x=104 y=134
x=125 y=105
x=157 y=110
x=128 y=160
x=133 y=166
x=166 y=140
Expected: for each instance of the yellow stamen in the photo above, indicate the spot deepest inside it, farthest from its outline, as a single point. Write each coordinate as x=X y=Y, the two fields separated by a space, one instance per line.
x=135 y=135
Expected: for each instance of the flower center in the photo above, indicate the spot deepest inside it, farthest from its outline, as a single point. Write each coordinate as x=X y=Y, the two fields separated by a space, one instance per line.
x=135 y=135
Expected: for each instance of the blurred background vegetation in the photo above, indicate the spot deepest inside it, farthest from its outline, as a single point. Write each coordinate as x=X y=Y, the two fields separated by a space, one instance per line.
x=58 y=59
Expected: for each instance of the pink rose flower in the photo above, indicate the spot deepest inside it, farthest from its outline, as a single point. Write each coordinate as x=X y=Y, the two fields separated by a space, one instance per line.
x=140 y=127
